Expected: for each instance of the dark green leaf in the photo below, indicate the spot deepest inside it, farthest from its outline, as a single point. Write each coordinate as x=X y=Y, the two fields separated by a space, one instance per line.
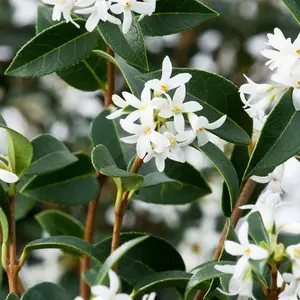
x=202 y=278
x=178 y=279
x=294 y=8
x=172 y=16
x=131 y=46
x=4 y=227
x=257 y=230
x=12 y=296
x=226 y=169
x=44 y=18
x=279 y=139
x=104 y=163
x=73 y=185
x=116 y=256
x=179 y=184
x=55 y=48
x=23 y=206
x=56 y=222
x=219 y=97
x=46 y=291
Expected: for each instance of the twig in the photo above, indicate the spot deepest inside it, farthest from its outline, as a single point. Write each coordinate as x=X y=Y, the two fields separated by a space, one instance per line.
x=120 y=209
x=273 y=291
x=245 y=195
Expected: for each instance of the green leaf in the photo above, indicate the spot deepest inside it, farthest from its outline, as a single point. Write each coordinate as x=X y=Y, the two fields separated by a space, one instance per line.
x=44 y=54
x=104 y=163
x=116 y=256
x=178 y=279
x=179 y=184
x=219 y=97
x=172 y=16
x=4 y=227
x=226 y=169
x=279 y=139
x=129 y=73
x=108 y=132
x=19 y=150
x=73 y=185
x=23 y=206
x=294 y=8
x=202 y=278
x=56 y=222
x=144 y=259
x=12 y=296
x=46 y=291
x=131 y=46
x=44 y=18
x=257 y=230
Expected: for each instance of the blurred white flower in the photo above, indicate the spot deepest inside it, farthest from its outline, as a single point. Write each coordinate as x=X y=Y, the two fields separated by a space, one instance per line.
x=60 y=130
x=204 y=62
x=210 y=40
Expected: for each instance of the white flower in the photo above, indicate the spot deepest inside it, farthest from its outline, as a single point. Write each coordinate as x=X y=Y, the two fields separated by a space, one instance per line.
x=293 y=252
x=292 y=289
x=273 y=179
x=8 y=177
x=126 y=7
x=62 y=7
x=167 y=83
x=244 y=249
x=176 y=108
x=200 y=124
x=145 y=137
x=144 y=106
x=160 y=158
x=150 y=296
x=266 y=206
x=291 y=79
x=153 y=5
x=284 y=54
x=241 y=285
x=287 y=218
x=99 y=11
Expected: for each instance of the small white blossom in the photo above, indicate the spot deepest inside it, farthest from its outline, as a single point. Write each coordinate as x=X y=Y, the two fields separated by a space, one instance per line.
x=126 y=7
x=200 y=124
x=287 y=218
x=98 y=12
x=273 y=179
x=292 y=289
x=167 y=83
x=8 y=176
x=293 y=252
x=150 y=296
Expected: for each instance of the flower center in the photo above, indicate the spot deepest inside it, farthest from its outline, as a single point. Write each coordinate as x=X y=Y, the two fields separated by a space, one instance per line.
x=172 y=141
x=247 y=251
x=201 y=129
x=164 y=87
x=298 y=51
x=297 y=252
x=275 y=179
x=147 y=130
x=143 y=106
x=127 y=4
x=196 y=248
x=298 y=84
x=177 y=109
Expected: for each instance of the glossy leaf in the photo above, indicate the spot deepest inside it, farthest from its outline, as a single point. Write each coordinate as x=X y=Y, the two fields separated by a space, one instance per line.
x=45 y=54
x=116 y=256
x=179 y=184
x=12 y=296
x=46 y=291
x=202 y=278
x=73 y=185
x=131 y=46
x=294 y=8
x=226 y=169
x=279 y=139
x=172 y=16
x=104 y=163
x=219 y=97
x=23 y=206
x=4 y=227
x=257 y=230
x=56 y=223
x=44 y=18
x=178 y=279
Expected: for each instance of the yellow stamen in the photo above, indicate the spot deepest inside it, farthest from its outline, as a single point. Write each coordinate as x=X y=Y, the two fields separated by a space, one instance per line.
x=127 y=4
x=177 y=109
x=147 y=130
x=298 y=51
x=247 y=251
x=196 y=248
x=164 y=87
x=172 y=141
x=201 y=129
x=298 y=83
x=143 y=106
x=297 y=252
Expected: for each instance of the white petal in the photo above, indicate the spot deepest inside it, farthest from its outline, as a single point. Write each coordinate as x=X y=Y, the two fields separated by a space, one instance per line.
x=179 y=122
x=242 y=267
x=147 y=115
x=100 y=290
x=192 y=106
x=122 y=297
x=56 y=15
x=153 y=84
x=243 y=234
x=131 y=99
x=258 y=253
x=143 y=146
x=234 y=248
x=130 y=139
x=114 y=282
x=177 y=154
x=261 y=179
x=148 y=157
x=142 y=8
x=92 y=21
x=133 y=116
x=8 y=177
x=146 y=95
x=193 y=119
x=130 y=127
x=217 y=123
x=117 y=8
x=118 y=101
x=160 y=162
x=166 y=69
x=228 y=269
x=179 y=80
x=202 y=138
x=113 y=19
x=296 y=98
x=127 y=21
x=179 y=95
x=115 y=114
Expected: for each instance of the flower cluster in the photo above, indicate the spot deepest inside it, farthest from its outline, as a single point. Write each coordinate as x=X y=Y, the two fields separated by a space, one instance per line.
x=161 y=131
x=284 y=62
x=102 y=10
x=102 y=292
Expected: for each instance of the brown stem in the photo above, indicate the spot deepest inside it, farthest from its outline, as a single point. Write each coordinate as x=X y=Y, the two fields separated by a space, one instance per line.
x=110 y=79
x=245 y=195
x=12 y=269
x=88 y=237
x=273 y=291
x=120 y=209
